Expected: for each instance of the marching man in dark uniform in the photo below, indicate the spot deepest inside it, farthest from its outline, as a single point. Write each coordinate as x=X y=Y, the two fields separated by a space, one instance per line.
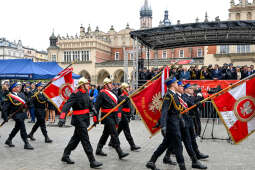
x=125 y=119
x=190 y=128
x=39 y=101
x=15 y=105
x=170 y=123
x=80 y=102
x=187 y=129
x=106 y=101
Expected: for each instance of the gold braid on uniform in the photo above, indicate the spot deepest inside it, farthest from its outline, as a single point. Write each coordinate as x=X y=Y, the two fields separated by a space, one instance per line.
x=38 y=100
x=15 y=104
x=178 y=108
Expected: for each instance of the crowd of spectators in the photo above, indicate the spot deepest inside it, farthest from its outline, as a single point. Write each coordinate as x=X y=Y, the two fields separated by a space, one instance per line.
x=210 y=72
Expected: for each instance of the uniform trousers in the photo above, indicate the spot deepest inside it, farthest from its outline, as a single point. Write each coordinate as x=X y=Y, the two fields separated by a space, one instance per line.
x=109 y=129
x=80 y=135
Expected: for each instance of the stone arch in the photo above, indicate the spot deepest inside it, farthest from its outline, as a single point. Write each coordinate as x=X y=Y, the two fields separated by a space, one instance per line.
x=118 y=76
x=85 y=74
x=102 y=74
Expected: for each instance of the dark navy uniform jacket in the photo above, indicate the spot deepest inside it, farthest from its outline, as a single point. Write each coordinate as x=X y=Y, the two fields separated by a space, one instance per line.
x=170 y=116
x=9 y=107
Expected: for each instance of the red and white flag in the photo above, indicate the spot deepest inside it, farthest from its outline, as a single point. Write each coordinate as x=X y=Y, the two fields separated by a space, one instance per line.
x=61 y=88
x=236 y=108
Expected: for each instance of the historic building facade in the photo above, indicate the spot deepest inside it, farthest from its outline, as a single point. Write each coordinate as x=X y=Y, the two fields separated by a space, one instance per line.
x=10 y=50
x=98 y=54
x=35 y=55
x=13 y=50
x=236 y=54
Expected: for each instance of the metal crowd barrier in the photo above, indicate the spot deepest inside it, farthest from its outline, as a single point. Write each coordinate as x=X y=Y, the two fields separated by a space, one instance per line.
x=208 y=111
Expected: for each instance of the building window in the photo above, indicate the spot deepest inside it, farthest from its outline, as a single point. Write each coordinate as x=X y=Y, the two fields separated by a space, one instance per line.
x=67 y=56
x=117 y=56
x=53 y=58
x=131 y=56
x=249 y=16
x=237 y=16
x=147 y=54
x=224 y=49
x=243 y=48
x=85 y=55
x=164 y=54
x=181 y=53
x=172 y=53
x=199 y=52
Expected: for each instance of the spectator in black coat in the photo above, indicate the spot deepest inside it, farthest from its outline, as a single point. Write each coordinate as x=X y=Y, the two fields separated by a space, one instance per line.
x=216 y=73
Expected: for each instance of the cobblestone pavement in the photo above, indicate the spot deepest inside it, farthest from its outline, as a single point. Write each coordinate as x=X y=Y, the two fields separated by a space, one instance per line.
x=223 y=155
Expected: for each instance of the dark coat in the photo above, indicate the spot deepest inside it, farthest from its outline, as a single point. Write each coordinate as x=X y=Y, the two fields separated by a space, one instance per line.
x=79 y=100
x=104 y=101
x=170 y=116
x=39 y=103
x=9 y=108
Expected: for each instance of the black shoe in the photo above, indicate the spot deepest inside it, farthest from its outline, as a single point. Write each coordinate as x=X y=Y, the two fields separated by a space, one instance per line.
x=110 y=144
x=135 y=148
x=201 y=156
x=28 y=146
x=67 y=160
x=48 y=140
x=100 y=152
x=121 y=153
x=151 y=165
x=9 y=143
x=198 y=165
x=95 y=164
x=31 y=137
x=168 y=161
x=182 y=166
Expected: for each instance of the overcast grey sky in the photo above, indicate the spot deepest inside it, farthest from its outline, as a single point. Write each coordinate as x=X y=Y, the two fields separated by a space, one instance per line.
x=32 y=21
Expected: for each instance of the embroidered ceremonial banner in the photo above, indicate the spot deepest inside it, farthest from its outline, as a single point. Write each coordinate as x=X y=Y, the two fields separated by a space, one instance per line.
x=236 y=108
x=148 y=104
x=60 y=89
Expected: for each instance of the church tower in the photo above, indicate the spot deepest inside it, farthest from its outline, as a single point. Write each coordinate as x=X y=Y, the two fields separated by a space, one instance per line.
x=145 y=16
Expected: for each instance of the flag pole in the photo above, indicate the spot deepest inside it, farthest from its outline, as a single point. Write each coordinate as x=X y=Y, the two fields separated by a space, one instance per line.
x=131 y=95
x=220 y=92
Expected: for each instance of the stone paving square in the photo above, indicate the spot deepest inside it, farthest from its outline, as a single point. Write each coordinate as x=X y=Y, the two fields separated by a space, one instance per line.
x=223 y=155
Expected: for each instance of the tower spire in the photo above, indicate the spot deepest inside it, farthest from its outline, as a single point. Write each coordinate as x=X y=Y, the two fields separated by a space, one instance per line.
x=146 y=15
x=206 y=17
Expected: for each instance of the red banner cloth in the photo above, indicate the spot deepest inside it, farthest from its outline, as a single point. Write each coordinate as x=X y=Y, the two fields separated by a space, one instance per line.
x=206 y=85
x=148 y=104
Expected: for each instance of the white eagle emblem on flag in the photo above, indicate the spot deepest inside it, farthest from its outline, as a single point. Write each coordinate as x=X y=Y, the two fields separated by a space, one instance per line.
x=156 y=102
x=246 y=109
